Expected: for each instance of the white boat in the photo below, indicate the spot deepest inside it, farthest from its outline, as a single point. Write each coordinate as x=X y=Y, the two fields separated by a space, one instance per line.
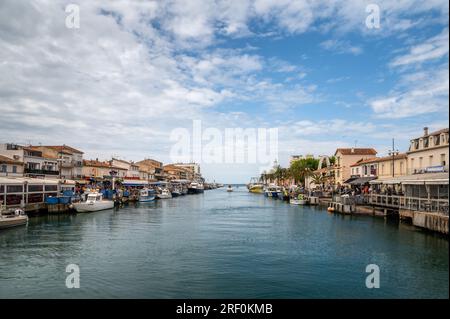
x=13 y=219
x=165 y=193
x=94 y=202
x=272 y=191
x=300 y=200
x=147 y=195
x=196 y=188
x=229 y=188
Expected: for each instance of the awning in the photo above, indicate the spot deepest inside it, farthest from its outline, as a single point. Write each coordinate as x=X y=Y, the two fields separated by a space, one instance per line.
x=134 y=183
x=362 y=180
x=415 y=179
x=348 y=181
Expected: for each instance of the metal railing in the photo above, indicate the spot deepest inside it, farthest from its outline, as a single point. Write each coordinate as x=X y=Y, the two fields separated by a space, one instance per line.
x=411 y=203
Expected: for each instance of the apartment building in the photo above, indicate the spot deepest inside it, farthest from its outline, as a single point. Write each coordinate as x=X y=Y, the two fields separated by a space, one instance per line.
x=346 y=157
x=429 y=152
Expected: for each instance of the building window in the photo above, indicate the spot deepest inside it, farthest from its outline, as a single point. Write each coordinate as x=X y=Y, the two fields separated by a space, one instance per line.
x=420 y=162
x=3 y=169
x=443 y=163
x=382 y=168
x=357 y=171
x=14 y=169
x=430 y=160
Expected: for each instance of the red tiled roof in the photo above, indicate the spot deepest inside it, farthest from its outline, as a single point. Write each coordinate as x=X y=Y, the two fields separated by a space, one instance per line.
x=378 y=159
x=356 y=151
x=63 y=148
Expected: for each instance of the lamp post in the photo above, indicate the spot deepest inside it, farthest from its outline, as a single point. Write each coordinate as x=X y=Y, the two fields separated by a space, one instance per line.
x=393 y=153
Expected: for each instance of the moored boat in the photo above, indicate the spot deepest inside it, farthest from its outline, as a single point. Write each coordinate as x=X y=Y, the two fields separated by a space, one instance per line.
x=147 y=195
x=299 y=200
x=164 y=194
x=229 y=188
x=195 y=188
x=13 y=218
x=94 y=202
x=272 y=191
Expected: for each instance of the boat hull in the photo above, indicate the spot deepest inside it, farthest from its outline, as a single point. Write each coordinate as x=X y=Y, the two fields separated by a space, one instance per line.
x=195 y=190
x=256 y=190
x=13 y=221
x=161 y=196
x=147 y=199
x=89 y=207
x=297 y=202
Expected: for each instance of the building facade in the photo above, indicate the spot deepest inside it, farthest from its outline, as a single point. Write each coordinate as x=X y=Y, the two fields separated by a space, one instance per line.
x=70 y=160
x=10 y=167
x=381 y=167
x=35 y=164
x=429 y=153
x=346 y=157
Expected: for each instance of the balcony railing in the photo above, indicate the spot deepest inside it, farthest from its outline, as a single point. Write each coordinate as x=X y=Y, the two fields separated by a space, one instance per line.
x=411 y=203
x=40 y=172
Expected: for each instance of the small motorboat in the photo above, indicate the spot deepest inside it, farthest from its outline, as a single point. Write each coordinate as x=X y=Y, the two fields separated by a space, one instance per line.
x=13 y=218
x=94 y=202
x=272 y=191
x=300 y=200
x=164 y=194
x=147 y=195
x=196 y=188
x=229 y=189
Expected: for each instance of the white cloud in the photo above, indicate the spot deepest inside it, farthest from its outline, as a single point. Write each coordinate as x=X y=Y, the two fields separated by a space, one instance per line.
x=424 y=92
x=340 y=47
x=432 y=49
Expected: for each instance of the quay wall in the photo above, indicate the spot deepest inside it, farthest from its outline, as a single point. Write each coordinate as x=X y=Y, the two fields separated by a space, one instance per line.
x=432 y=221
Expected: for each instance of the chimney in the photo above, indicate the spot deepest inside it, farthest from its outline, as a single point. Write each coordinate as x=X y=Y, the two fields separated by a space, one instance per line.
x=425 y=131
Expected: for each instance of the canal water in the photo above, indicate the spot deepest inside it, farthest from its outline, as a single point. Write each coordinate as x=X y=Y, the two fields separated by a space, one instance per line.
x=221 y=245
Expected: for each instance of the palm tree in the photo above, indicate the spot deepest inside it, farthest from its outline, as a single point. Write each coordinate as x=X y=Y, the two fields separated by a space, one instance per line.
x=317 y=179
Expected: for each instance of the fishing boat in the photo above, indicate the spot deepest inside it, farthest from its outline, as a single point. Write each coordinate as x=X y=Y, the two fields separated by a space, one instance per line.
x=94 y=202
x=299 y=200
x=13 y=218
x=196 y=188
x=255 y=186
x=147 y=195
x=229 y=188
x=164 y=194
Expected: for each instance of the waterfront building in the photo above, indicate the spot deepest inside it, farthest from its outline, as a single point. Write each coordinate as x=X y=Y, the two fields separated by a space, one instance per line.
x=35 y=164
x=380 y=167
x=98 y=170
x=345 y=157
x=153 y=168
x=429 y=152
x=29 y=193
x=70 y=160
x=194 y=168
x=10 y=167
x=172 y=171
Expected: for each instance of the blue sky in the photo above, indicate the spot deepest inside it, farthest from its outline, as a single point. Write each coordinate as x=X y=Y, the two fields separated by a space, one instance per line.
x=136 y=70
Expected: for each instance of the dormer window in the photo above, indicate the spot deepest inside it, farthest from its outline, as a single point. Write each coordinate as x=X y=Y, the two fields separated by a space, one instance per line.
x=425 y=143
x=437 y=140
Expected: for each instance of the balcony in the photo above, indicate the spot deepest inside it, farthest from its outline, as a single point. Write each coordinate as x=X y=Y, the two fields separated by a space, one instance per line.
x=40 y=172
x=71 y=164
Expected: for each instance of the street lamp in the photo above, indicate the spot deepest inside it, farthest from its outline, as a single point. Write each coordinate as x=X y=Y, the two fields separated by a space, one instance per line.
x=393 y=153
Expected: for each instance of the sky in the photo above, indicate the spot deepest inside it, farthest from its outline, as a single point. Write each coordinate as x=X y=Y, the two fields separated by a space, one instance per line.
x=135 y=71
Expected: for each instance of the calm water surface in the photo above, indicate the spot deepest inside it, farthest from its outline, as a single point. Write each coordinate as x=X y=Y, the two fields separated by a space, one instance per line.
x=220 y=245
